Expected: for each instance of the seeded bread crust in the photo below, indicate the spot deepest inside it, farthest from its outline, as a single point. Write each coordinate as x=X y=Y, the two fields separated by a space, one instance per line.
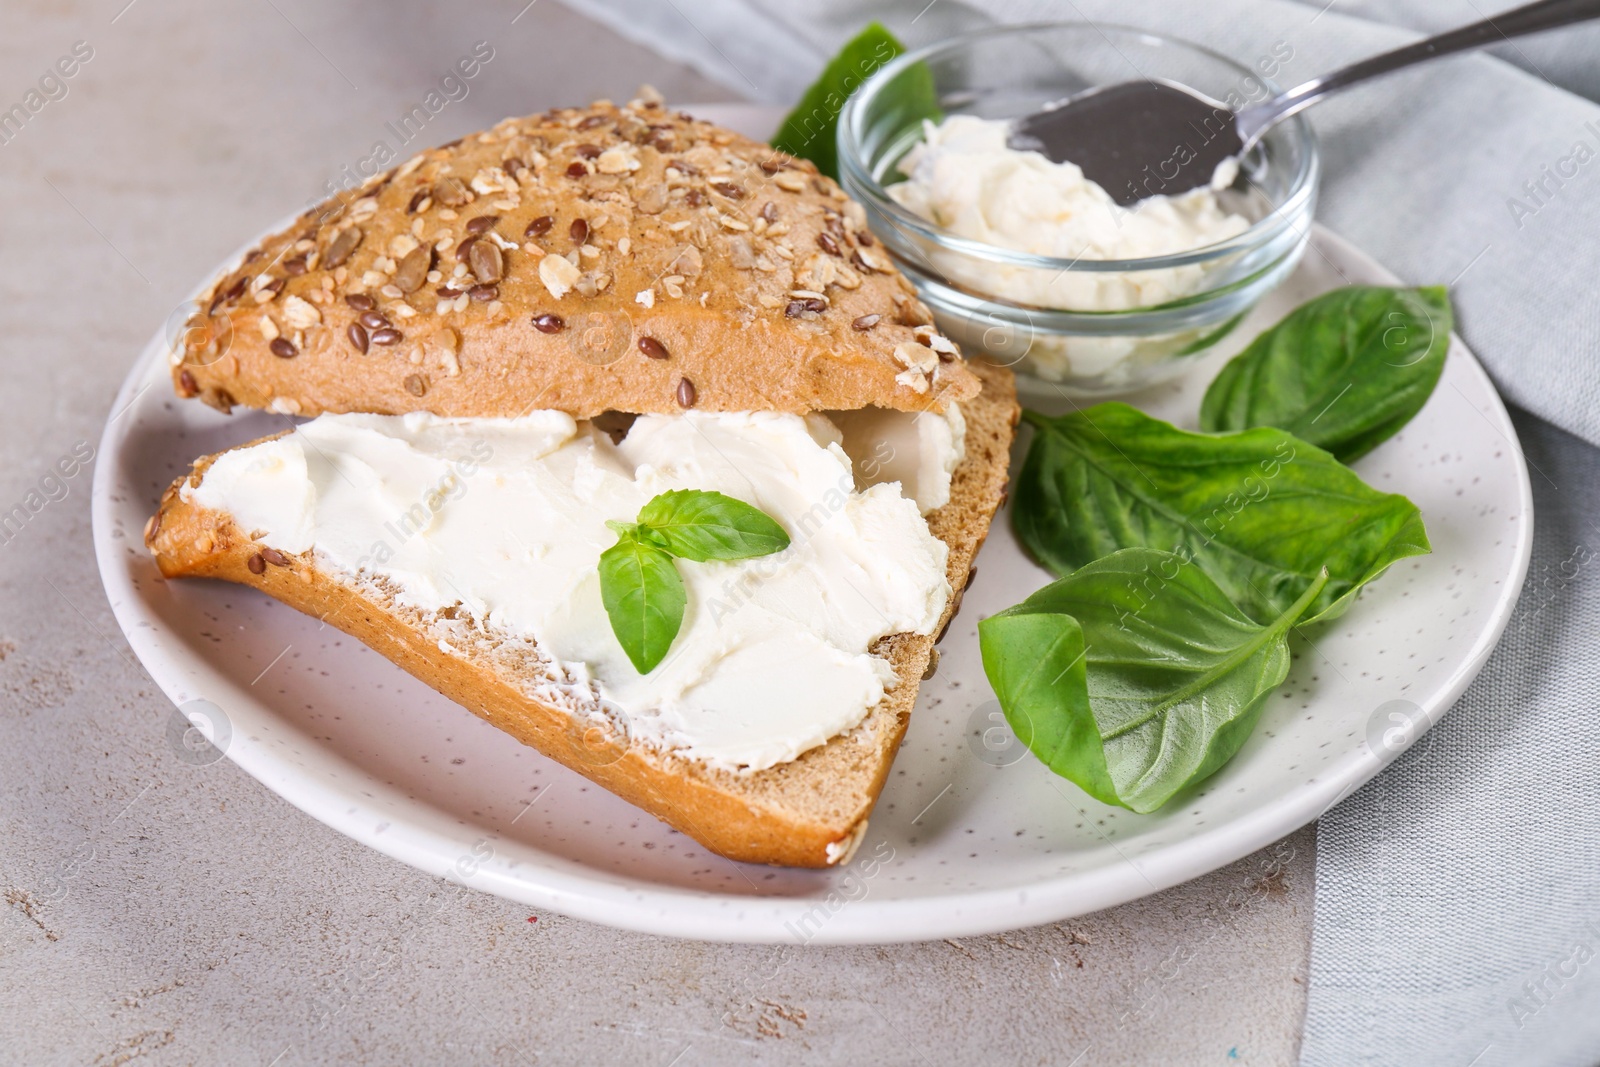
x=810 y=812
x=652 y=249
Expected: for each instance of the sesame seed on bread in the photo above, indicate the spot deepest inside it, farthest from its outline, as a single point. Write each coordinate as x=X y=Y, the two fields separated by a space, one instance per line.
x=604 y=258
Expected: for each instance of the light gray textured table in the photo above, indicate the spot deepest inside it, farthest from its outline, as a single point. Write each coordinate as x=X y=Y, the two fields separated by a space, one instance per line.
x=163 y=913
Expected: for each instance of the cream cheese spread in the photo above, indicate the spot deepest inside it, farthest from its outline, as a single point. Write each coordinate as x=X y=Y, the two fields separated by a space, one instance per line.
x=965 y=178
x=919 y=451
x=504 y=519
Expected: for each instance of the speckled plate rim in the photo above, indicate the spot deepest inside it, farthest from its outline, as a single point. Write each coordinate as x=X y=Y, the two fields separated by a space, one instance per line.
x=382 y=817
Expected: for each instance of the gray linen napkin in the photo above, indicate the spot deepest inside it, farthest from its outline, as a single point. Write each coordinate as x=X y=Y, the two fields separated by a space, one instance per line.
x=1458 y=895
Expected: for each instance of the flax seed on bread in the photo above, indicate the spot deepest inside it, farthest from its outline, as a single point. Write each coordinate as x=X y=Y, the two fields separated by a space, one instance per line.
x=604 y=258
x=809 y=812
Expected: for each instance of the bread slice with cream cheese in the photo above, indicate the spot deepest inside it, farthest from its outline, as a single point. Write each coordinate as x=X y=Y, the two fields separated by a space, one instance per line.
x=808 y=812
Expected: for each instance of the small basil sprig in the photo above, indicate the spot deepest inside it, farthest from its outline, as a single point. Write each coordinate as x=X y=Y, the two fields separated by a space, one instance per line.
x=640 y=585
x=811 y=130
x=1344 y=371
x=1135 y=676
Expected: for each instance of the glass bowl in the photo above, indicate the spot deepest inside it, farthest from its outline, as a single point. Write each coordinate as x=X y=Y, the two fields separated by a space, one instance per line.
x=1087 y=326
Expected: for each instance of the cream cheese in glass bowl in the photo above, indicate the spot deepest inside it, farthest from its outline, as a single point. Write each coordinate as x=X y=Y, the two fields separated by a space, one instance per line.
x=1026 y=260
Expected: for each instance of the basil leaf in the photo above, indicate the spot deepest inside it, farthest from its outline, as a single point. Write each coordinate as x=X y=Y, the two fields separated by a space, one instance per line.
x=1136 y=676
x=644 y=597
x=811 y=130
x=1344 y=371
x=700 y=525
x=641 y=588
x=1260 y=511
x=626 y=530
x=1035 y=663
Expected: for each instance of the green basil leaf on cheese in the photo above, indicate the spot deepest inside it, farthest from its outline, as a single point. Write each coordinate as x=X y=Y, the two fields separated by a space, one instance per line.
x=1136 y=676
x=700 y=525
x=1344 y=371
x=641 y=588
x=635 y=530
x=644 y=597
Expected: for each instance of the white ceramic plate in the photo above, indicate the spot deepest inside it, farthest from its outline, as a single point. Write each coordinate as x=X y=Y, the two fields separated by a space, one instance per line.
x=972 y=835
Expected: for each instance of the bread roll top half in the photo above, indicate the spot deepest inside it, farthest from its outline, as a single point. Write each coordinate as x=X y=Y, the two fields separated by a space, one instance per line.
x=586 y=260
